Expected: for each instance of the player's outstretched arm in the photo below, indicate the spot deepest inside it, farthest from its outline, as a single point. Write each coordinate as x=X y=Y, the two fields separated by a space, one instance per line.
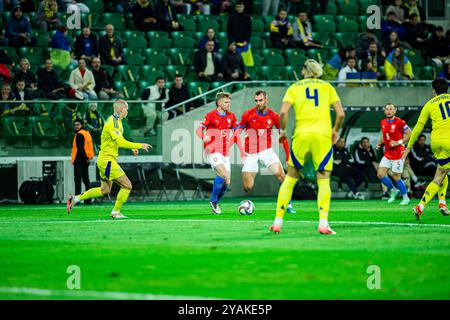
x=285 y=106
x=380 y=142
x=199 y=133
x=340 y=116
x=423 y=118
x=125 y=144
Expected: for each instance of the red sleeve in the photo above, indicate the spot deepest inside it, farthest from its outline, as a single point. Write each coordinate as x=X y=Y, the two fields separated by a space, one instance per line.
x=206 y=121
x=286 y=148
x=244 y=121
x=199 y=131
x=235 y=122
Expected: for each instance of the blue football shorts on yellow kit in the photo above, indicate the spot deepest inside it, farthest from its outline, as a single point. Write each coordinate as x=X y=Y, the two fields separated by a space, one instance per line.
x=441 y=151
x=315 y=146
x=109 y=170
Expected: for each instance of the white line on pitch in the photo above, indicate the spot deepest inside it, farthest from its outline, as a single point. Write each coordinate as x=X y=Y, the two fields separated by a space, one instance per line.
x=382 y=223
x=97 y=294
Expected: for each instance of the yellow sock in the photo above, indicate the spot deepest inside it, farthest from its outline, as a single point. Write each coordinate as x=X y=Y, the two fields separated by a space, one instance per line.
x=443 y=190
x=122 y=197
x=285 y=195
x=323 y=198
x=91 y=193
x=429 y=194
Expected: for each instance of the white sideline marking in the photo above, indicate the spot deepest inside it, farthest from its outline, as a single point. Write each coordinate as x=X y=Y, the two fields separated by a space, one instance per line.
x=97 y=294
x=383 y=223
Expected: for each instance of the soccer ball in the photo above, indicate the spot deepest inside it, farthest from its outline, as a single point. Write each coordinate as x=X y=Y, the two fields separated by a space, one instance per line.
x=246 y=208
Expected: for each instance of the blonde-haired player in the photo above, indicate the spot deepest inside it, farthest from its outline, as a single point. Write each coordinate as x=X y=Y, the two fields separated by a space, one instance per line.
x=438 y=110
x=111 y=140
x=313 y=138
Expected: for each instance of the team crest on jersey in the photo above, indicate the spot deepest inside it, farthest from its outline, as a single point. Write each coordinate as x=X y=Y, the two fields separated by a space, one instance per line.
x=229 y=121
x=392 y=127
x=269 y=122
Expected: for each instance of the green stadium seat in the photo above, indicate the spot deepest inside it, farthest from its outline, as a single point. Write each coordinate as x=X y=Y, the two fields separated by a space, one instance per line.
x=415 y=57
x=183 y=42
x=95 y=5
x=223 y=20
x=157 y=34
x=273 y=59
x=160 y=42
x=16 y=128
x=345 y=39
x=272 y=72
x=331 y=9
x=198 y=88
x=291 y=73
x=135 y=39
x=116 y=19
x=320 y=55
x=339 y=19
x=268 y=20
x=127 y=73
x=258 y=26
x=173 y=70
x=325 y=26
x=43 y=128
x=134 y=56
x=427 y=73
x=180 y=57
x=350 y=9
x=202 y=26
x=348 y=26
x=156 y=57
x=189 y=25
x=222 y=38
x=318 y=18
x=257 y=60
x=254 y=73
x=257 y=43
x=127 y=88
x=321 y=37
x=295 y=57
x=150 y=73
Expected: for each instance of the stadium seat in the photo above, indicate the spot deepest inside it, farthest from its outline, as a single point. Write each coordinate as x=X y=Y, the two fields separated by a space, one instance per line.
x=173 y=70
x=156 y=57
x=16 y=128
x=183 y=42
x=150 y=73
x=272 y=72
x=295 y=57
x=318 y=18
x=325 y=26
x=180 y=57
x=321 y=37
x=340 y=18
x=157 y=34
x=273 y=60
x=268 y=20
x=348 y=26
x=257 y=60
x=127 y=88
x=189 y=25
x=345 y=39
x=254 y=73
x=331 y=9
x=350 y=9
x=116 y=19
x=415 y=57
x=258 y=26
x=257 y=43
x=135 y=39
x=127 y=73
x=134 y=56
x=202 y=26
x=320 y=55
x=198 y=88
x=427 y=73
x=291 y=73
x=95 y=5
x=43 y=128
x=160 y=42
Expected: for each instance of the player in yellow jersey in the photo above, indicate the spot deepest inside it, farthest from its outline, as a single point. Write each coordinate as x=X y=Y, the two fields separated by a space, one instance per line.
x=111 y=140
x=438 y=110
x=313 y=138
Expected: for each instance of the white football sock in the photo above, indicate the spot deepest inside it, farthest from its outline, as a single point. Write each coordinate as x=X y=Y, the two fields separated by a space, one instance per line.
x=278 y=221
x=76 y=199
x=323 y=222
x=421 y=206
x=442 y=202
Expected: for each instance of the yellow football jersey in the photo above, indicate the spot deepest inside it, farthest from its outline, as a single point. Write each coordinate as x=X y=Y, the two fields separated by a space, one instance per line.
x=112 y=139
x=311 y=100
x=438 y=110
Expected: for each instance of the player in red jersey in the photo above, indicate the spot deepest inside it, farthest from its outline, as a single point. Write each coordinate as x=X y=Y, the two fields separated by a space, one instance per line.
x=258 y=123
x=394 y=133
x=216 y=141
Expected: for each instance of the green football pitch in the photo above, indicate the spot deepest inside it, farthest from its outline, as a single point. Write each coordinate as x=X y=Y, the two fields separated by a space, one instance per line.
x=179 y=250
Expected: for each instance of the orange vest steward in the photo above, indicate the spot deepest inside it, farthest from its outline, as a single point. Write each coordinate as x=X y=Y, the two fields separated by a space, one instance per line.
x=88 y=146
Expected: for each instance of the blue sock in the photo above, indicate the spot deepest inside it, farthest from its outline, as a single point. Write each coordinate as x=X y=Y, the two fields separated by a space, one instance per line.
x=222 y=191
x=387 y=182
x=401 y=186
x=218 y=184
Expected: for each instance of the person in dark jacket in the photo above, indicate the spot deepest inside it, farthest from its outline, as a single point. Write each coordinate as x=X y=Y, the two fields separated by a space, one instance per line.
x=86 y=45
x=207 y=64
x=344 y=169
x=48 y=83
x=421 y=158
x=239 y=27
x=438 y=47
x=167 y=16
x=24 y=73
x=144 y=18
x=18 y=30
x=111 y=48
x=416 y=32
x=103 y=82
x=209 y=35
x=281 y=31
x=95 y=122
x=178 y=93
x=233 y=67
x=366 y=160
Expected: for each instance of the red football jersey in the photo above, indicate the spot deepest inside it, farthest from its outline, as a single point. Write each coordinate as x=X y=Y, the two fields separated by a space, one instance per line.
x=258 y=133
x=218 y=128
x=393 y=130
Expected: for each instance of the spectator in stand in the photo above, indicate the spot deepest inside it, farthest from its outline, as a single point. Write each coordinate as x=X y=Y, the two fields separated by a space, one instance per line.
x=201 y=7
x=111 y=48
x=19 y=30
x=83 y=82
x=6 y=65
x=445 y=73
x=3 y=40
x=397 y=66
x=144 y=16
x=47 y=15
x=94 y=122
x=391 y=24
x=398 y=9
x=26 y=5
x=181 y=6
x=392 y=42
x=374 y=56
x=281 y=31
x=222 y=7
x=178 y=93
x=344 y=169
x=167 y=16
x=153 y=111
x=233 y=67
x=416 y=32
x=303 y=32
x=209 y=35
x=366 y=160
x=24 y=73
x=332 y=67
x=313 y=7
x=10 y=108
x=349 y=68
x=239 y=27
x=363 y=42
x=295 y=6
x=412 y=7
x=86 y=45
x=270 y=7
x=61 y=51
x=207 y=64
x=438 y=47
x=122 y=6
x=21 y=95
x=103 y=82
x=421 y=158
x=49 y=84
